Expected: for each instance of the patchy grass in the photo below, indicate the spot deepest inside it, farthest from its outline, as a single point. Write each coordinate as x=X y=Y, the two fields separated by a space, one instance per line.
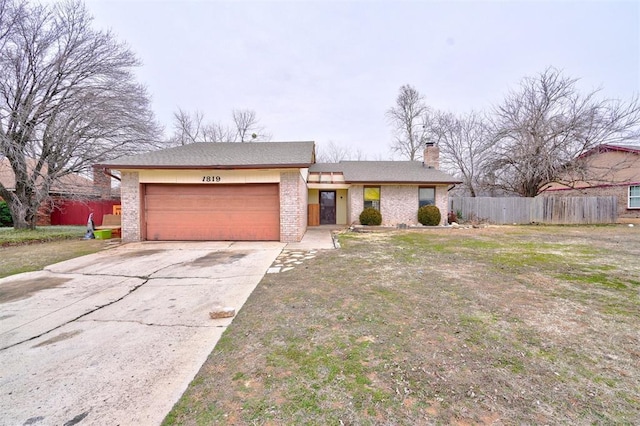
x=10 y=236
x=32 y=250
x=508 y=325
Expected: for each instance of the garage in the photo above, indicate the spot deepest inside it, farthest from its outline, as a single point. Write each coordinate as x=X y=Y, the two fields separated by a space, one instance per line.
x=222 y=191
x=183 y=212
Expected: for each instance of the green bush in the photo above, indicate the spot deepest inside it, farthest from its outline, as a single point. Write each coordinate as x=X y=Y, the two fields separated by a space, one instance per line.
x=429 y=215
x=5 y=214
x=370 y=216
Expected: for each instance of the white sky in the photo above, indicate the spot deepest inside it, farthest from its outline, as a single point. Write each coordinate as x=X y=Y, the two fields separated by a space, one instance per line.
x=328 y=71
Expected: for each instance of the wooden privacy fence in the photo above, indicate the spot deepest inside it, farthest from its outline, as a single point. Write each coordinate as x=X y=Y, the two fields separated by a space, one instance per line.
x=551 y=210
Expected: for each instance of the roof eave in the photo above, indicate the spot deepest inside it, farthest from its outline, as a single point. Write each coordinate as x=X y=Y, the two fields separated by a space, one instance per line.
x=203 y=167
x=412 y=182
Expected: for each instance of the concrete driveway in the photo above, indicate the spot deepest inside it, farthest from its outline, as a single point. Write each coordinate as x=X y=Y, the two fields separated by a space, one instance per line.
x=114 y=338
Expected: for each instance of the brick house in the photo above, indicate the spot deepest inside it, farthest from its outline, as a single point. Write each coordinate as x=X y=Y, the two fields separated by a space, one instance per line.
x=265 y=191
x=610 y=170
x=71 y=198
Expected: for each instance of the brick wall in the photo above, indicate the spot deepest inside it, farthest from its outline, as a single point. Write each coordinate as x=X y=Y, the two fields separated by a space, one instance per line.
x=130 y=194
x=356 y=204
x=102 y=181
x=398 y=204
x=293 y=206
x=621 y=192
x=442 y=202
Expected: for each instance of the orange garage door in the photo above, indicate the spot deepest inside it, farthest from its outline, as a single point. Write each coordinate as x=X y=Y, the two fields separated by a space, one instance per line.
x=248 y=212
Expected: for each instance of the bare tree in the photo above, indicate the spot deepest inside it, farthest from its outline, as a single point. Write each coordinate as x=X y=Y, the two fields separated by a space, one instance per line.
x=188 y=128
x=191 y=127
x=68 y=99
x=465 y=147
x=541 y=128
x=217 y=132
x=248 y=126
x=410 y=118
x=334 y=153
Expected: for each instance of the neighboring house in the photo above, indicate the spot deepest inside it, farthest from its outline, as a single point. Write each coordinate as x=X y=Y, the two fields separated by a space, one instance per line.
x=265 y=191
x=71 y=198
x=609 y=170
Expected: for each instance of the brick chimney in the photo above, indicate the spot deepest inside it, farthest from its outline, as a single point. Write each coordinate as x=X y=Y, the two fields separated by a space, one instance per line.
x=431 y=156
x=102 y=182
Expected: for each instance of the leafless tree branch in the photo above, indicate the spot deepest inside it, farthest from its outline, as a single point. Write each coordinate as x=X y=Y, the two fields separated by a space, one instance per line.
x=410 y=119
x=545 y=125
x=68 y=98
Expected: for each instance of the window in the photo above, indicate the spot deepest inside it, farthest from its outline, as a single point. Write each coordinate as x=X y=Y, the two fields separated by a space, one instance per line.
x=372 y=197
x=634 y=197
x=427 y=197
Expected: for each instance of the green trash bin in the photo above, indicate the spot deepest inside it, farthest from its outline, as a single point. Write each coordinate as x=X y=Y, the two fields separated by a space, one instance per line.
x=102 y=234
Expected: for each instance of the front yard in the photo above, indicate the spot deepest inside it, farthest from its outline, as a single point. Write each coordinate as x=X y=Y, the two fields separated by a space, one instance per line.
x=503 y=325
x=32 y=250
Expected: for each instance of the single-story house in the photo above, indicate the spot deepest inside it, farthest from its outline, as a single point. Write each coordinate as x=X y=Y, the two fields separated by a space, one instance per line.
x=608 y=170
x=266 y=191
x=71 y=198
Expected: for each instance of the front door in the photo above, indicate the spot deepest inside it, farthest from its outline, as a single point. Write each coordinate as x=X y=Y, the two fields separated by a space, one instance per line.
x=327 y=207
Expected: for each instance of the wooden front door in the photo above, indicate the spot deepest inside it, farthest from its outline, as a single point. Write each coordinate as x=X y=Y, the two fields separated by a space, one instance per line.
x=327 y=207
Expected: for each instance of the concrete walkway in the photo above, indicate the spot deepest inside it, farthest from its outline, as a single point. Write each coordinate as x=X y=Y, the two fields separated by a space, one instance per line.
x=295 y=254
x=316 y=238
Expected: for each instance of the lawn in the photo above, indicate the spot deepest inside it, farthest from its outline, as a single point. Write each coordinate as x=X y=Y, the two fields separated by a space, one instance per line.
x=32 y=250
x=502 y=325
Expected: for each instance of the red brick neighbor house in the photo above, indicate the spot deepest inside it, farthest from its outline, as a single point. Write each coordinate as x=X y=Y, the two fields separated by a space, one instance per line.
x=72 y=198
x=611 y=170
x=266 y=191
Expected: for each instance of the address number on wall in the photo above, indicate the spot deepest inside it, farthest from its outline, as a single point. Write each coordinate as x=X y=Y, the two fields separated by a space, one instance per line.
x=211 y=179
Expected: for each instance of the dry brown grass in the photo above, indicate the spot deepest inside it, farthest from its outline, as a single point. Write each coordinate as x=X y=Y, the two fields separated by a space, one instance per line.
x=15 y=259
x=508 y=325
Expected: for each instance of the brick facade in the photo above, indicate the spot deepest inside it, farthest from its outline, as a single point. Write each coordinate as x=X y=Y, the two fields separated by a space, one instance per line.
x=130 y=206
x=398 y=204
x=293 y=206
x=355 y=204
x=442 y=202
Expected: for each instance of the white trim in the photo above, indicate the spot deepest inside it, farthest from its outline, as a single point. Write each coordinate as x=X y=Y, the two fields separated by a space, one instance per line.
x=635 y=197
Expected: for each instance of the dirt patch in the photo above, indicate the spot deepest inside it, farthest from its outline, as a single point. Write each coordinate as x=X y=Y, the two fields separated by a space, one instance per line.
x=59 y=338
x=21 y=289
x=131 y=254
x=501 y=325
x=217 y=258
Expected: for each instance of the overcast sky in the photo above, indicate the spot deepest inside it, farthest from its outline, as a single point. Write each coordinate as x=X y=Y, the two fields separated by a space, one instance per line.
x=328 y=71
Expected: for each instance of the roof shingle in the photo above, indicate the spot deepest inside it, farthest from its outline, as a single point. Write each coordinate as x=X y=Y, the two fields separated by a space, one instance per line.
x=222 y=155
x=385 y=171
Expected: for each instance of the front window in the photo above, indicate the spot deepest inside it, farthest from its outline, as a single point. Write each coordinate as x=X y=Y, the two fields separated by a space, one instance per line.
x=427 y=197
x=372 y=197
x=634 y=197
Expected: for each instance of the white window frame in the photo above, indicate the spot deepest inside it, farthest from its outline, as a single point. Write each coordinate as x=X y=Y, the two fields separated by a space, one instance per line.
x=636 y=198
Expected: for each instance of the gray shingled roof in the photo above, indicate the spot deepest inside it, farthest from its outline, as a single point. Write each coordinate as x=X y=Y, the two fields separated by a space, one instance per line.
x=222 y=155
x=385 y=171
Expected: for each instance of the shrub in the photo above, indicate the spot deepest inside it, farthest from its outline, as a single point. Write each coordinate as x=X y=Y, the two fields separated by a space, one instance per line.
x=429 y=215
x=452 y=217
x=370 y=216
x=5 y=214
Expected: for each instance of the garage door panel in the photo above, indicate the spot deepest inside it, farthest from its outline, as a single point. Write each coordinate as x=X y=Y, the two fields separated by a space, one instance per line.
x=212 y=212
x=209 y=204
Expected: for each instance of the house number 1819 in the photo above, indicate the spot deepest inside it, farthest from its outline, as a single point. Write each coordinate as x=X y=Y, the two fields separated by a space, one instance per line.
x=211 y=178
